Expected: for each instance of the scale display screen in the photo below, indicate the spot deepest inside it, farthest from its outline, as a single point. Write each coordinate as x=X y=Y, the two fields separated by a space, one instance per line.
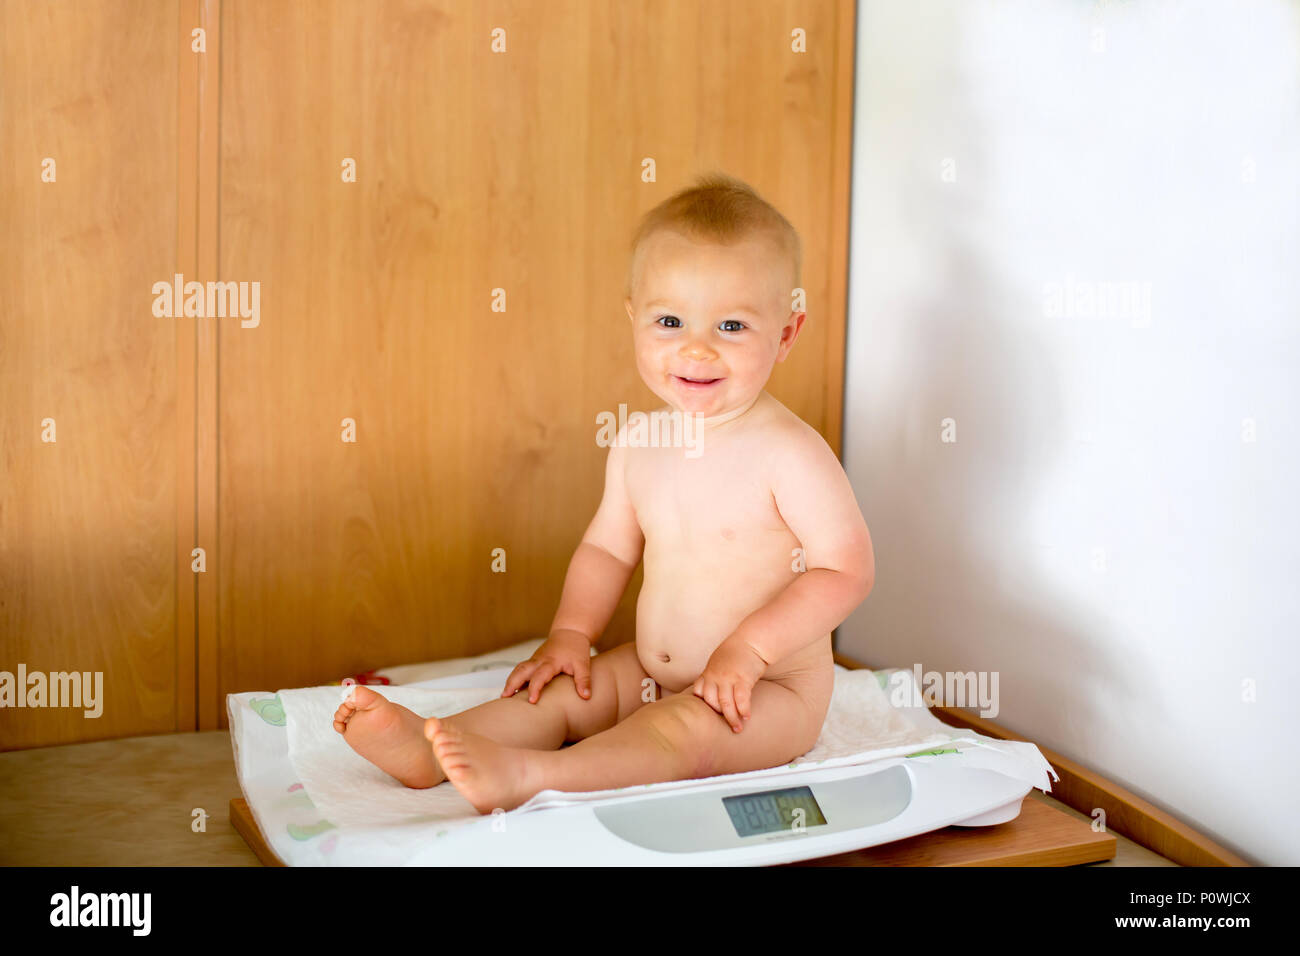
x=771 y=810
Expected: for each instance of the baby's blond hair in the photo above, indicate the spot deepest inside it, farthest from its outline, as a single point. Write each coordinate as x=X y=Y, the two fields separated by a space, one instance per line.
x=722 y=209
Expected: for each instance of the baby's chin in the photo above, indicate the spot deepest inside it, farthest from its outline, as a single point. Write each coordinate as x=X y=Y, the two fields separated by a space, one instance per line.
x=704 y=405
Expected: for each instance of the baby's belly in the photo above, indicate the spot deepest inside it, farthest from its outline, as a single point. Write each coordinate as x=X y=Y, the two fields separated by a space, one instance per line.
x=682 y=618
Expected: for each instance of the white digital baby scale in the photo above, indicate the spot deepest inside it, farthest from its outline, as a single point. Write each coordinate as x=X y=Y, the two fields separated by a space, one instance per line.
x=784 y=818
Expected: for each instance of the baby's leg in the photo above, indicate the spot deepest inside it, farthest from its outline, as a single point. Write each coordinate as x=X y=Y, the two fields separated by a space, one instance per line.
x=676 y=738
x=391 y=736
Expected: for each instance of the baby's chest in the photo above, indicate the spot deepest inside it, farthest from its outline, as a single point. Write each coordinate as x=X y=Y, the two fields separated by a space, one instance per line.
x=701 y=499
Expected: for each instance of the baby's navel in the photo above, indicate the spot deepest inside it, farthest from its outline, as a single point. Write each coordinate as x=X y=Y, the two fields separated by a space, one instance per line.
x=728 y=534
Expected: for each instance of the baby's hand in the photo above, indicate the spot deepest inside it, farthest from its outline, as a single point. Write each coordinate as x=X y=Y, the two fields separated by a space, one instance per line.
x=564 y=652
x=733 y=669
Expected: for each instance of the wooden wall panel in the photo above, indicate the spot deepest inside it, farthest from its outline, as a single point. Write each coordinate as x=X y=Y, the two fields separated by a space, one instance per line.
x=476 y=171
x=88 y=524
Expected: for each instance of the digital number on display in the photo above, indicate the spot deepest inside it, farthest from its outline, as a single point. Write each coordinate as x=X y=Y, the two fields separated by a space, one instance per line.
x=772 y=810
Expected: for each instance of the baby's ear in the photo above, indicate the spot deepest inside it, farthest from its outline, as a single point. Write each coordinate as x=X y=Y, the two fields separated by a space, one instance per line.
x=789 y=333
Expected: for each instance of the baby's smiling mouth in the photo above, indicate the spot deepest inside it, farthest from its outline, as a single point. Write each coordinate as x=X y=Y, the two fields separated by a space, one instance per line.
x=696 y=382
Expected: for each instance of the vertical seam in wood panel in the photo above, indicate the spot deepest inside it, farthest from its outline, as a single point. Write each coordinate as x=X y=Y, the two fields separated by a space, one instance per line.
x=216 y=404
x=207 y=339
x=185 y=586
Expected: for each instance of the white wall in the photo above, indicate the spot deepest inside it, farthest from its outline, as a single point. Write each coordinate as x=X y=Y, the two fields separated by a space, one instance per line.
x=1102 y=533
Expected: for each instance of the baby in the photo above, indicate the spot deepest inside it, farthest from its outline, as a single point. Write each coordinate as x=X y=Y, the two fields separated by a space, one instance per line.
x=753 y=544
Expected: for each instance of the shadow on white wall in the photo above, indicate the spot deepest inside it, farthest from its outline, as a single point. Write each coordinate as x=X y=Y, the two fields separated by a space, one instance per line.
x=1076 y=234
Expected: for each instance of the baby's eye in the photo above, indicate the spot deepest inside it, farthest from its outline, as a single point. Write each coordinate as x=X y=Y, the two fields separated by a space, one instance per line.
x=676 y=322
x=727 y=322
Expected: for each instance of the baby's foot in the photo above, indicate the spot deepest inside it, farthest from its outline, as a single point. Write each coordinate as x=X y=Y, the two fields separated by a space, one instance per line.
x=388 y=735
x=487 y=774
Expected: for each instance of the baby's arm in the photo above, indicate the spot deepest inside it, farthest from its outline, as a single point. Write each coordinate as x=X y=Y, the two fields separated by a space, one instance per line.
x=813 y=495
x=602 y=565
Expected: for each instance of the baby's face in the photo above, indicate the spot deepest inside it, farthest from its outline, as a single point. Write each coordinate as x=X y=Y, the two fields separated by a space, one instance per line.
x=710 y=321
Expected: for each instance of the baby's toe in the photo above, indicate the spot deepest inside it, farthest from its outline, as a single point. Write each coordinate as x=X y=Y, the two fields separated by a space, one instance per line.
x=431 y=728
x=362 y=697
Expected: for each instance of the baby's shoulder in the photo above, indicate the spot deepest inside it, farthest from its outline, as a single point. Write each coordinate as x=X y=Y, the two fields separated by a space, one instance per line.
x=785 y=432
x=797 y=459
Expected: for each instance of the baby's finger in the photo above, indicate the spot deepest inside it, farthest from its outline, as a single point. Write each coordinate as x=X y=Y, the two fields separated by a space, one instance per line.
x=700 y=690
x=729 y=710
x=582 y=678
x=518 y=677
x=711 y=696
x=541 y=677
x=743 y=701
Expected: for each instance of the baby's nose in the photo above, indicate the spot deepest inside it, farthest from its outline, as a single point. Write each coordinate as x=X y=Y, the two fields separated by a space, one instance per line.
x=697 y=348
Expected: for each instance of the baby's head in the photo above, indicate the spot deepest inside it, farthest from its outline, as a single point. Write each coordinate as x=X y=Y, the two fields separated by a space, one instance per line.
x=709 y=293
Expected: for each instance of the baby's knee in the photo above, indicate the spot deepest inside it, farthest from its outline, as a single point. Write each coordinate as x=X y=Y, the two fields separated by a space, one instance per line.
x=584 y=716
x=561 y=684
x=554 y=693
x=685 y=725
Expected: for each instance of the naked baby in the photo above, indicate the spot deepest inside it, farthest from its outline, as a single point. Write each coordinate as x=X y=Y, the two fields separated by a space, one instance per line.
x=754 y=551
